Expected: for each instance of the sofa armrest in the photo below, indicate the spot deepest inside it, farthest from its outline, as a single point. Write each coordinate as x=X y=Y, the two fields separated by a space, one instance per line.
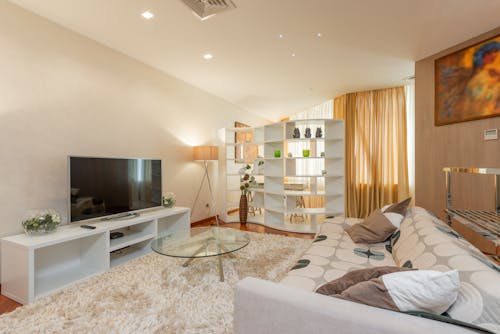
x=267 y=307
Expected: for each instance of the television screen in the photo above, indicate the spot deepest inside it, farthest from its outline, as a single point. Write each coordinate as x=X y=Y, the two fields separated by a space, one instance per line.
x=108 y=186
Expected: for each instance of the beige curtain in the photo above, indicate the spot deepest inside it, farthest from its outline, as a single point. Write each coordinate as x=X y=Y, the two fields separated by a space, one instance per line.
x=376 y=156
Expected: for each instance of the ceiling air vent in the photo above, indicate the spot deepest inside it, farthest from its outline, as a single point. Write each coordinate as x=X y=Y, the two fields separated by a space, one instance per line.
x=206 y=8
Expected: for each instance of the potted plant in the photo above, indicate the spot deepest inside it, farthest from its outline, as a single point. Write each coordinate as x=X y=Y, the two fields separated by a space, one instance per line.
x=168 y=200
x=246 y=180
x=38 y=222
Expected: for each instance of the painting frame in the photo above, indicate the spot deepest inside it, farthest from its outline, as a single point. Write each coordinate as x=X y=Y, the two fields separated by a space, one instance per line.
x=459 y=111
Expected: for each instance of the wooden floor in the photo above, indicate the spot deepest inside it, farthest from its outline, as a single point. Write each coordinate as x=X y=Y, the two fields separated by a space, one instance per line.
x=7 y=304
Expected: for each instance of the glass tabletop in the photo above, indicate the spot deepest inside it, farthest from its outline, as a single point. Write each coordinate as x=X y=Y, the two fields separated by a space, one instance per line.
x=201 y=242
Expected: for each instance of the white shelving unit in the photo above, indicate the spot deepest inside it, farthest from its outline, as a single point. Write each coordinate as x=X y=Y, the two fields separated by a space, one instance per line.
x=319 y=174
x=34 y=266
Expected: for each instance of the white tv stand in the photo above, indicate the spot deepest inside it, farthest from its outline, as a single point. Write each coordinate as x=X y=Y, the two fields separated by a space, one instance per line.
x=35 y=266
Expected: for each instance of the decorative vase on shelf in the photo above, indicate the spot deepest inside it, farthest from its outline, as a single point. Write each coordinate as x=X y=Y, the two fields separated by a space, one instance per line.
x=319 y=133
x=307 y=134
x=296 y=133
x=168 y=200
x=39 y=222
x=243 y=209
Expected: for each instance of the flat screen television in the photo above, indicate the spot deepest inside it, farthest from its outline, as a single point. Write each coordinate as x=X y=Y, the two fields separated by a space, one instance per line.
x=108 y=186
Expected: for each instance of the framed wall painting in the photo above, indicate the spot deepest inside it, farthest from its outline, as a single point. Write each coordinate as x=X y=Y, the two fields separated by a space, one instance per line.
x=467 y=83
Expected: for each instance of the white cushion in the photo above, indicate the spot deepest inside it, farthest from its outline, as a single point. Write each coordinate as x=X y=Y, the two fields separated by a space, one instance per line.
x=423 y=290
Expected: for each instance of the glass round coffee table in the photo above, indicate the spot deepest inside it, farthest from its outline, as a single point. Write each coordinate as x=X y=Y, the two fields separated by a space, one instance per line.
x=201 y=242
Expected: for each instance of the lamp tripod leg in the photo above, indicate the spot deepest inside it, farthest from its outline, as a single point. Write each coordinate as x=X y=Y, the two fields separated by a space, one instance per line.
x=211 y=194
x=199 y=191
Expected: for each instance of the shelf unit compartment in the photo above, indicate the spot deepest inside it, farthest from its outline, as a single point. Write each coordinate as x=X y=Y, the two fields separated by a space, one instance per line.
x=302 y=125
x=294 y=167
x=334 y=166
x=334 y=149
x=123 y=255
x=289 y=128
x=335 y=185
x=133 y=234
x=258 y=135
x=274 y=202
x=273 y=132
x=270 y=148
x=313 y=144
x=293 y=201
x=258 y=199
x=274 y=167
x=173 y=223
x=233 y=167
x=334 y=130
x=61 y=264
x=273 y=185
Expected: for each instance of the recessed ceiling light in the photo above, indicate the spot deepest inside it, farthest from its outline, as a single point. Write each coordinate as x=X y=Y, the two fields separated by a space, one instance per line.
x=208 y=56
x=319 y=35
x=281 y=35
x=147 y=15
x=293 y=54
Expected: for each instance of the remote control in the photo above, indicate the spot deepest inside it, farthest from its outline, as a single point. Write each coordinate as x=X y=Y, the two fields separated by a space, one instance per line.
x=88 y=227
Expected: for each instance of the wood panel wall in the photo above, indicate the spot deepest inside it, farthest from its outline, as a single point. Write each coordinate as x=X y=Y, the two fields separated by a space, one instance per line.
x=459 y=144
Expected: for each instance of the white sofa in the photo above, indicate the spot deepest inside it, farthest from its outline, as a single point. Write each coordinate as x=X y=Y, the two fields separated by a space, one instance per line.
x=423 y=241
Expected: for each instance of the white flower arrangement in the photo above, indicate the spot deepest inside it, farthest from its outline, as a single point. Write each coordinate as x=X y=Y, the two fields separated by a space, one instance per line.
x=245 y=179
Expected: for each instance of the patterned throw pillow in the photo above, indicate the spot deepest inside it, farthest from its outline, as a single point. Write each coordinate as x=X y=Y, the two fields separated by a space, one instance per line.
x=425 y=242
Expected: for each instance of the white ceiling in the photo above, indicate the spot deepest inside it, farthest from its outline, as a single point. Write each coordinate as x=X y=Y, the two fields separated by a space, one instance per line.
x=366 y=43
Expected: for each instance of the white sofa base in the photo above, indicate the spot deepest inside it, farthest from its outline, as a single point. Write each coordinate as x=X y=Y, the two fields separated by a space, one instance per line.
x=266 y=307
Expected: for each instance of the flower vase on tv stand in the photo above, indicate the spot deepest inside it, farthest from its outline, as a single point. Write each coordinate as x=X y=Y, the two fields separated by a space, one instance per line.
x=243 y=209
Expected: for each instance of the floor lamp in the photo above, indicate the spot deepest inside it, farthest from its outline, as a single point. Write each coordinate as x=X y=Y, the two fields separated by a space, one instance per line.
x=206 y=154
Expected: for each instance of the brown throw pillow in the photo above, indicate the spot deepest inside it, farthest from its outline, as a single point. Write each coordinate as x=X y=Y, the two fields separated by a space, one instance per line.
x=354 y=277
x=375 y=228
x=400 y=207
x=372 y=292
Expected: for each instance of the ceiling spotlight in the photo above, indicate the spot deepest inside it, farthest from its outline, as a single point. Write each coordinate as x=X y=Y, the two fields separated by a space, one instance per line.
x=293 y=54
x=319 y=35
x=208 y=56
x=147 y=15
x=281 y=35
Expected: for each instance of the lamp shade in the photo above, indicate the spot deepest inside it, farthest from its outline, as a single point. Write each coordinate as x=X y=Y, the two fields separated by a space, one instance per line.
x=204 y=153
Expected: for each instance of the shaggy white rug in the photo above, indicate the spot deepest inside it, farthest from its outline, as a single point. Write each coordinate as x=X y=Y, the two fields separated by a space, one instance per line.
x=155 y=294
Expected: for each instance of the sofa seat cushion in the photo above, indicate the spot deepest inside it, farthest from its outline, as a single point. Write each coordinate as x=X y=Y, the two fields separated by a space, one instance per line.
x=425 y=242
x=332 y=254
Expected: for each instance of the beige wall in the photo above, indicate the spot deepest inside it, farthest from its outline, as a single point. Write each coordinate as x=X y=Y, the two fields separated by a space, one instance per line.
x=62 y=94
x=458 y=144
